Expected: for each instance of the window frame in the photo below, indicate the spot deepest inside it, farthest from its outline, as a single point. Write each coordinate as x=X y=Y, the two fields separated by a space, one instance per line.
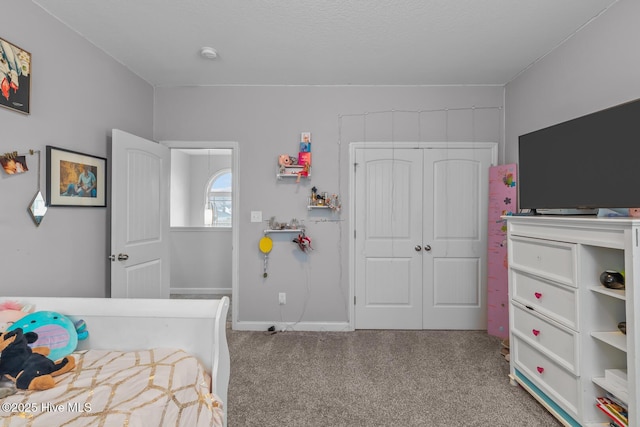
x=211 y=195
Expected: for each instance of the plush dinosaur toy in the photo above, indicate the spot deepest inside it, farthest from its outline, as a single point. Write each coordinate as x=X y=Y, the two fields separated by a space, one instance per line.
x=30 y=370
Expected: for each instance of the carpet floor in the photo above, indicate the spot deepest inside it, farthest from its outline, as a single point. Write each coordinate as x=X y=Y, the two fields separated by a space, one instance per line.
x=375 y=378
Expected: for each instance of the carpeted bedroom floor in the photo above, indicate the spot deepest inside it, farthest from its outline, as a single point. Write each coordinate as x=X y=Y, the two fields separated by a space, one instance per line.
x=375 y=378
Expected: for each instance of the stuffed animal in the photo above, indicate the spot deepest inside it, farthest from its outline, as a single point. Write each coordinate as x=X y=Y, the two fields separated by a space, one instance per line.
x=29 y=370
x=285 y=160
x=12 y=311
x=303 y=241
x=54 y=330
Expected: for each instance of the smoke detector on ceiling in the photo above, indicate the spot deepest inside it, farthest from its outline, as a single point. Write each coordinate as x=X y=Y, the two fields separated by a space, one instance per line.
x=208 y=53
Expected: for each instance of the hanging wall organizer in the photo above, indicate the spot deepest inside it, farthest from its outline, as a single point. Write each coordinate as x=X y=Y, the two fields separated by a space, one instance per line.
x=298 y=167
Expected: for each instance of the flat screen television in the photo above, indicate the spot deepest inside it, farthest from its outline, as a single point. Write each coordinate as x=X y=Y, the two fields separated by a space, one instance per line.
x=589 y=162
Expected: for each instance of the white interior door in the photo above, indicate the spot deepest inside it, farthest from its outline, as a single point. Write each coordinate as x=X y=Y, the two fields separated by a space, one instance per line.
x=456 y=193
x=388 y=228
x=139 y=217
x=420 y=237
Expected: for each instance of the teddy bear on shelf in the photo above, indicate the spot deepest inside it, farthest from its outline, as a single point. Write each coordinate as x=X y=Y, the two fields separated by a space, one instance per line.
x=29 y=370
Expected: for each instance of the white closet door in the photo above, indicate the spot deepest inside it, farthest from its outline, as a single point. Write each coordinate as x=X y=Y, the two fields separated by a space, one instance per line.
x=420 y=244
x=388 y=216
x=455 y=223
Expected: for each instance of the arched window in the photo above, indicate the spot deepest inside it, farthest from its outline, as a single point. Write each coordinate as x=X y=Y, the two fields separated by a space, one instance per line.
x=217 y=207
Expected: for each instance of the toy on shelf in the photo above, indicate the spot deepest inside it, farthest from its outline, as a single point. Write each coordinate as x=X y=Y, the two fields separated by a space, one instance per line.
x=285 y=161
x=323 y=200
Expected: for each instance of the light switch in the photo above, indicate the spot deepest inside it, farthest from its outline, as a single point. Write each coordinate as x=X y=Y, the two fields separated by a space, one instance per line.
x=256 y=216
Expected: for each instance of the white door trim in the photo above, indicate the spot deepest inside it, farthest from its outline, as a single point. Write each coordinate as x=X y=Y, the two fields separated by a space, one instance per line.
x=353 y=146
x=235 y=219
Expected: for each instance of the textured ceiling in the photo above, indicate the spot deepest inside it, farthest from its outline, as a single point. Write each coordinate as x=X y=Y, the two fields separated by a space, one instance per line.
x=326 y=42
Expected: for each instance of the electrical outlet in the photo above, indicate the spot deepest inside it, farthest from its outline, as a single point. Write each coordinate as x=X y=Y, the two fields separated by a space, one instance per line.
x=282 y=298
x=256 y=216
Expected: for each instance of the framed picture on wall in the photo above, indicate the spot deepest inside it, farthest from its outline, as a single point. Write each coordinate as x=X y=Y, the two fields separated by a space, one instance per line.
x=15 y=77
x=75 y=179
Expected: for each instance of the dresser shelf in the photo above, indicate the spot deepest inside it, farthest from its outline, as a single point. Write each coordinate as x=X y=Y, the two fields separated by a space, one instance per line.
x=614 y=339
x=622 y=394
x=615 y=293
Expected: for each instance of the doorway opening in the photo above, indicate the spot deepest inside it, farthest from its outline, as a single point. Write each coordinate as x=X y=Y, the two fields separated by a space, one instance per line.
x=203 y=217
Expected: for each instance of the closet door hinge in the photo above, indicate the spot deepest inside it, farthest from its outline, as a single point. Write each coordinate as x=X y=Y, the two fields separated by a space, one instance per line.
x=354 y=300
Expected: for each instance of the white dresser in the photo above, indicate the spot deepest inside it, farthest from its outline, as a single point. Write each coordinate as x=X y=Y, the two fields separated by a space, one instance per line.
x=563 y=322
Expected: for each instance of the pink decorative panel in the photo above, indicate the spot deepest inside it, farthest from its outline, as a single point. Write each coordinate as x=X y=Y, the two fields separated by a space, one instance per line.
x=502 y=201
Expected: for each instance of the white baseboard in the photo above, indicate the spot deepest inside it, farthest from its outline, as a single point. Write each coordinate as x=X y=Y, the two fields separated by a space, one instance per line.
x=293 y=326
x=200 y=291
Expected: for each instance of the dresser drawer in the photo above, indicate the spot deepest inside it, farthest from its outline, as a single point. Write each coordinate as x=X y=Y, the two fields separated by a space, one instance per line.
x=554 y=260
x=558 y=383
x=558 y=342
x=554 y=300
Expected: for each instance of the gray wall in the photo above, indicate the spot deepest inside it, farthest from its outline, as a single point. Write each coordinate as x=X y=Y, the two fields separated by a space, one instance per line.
x=180 y=206
x=78 y=94
x=266 y=122
x=596 y=69
x=200 y=260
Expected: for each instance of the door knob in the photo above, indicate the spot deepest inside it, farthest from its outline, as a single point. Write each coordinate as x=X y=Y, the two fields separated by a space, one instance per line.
x=418 y=248
x=123 y=257
x=427 y=248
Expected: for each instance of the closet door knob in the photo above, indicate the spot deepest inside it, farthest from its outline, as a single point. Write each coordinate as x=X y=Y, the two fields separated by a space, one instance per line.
x=123 y=257
x=427 y=248
x=418 y=248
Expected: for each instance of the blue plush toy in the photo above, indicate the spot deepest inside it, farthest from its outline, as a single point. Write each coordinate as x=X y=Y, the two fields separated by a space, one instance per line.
x=55 y=331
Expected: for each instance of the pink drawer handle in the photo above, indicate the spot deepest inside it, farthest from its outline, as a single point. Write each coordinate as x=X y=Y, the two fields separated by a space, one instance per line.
x=535 y=332
x=540 y=369
x=538 y=295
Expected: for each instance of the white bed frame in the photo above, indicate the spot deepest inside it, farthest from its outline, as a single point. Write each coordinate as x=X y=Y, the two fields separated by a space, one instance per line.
x=196 y=326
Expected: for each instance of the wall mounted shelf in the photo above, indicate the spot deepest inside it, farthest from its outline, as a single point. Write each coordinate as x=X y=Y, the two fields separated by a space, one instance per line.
x=285 y=230
x=293 y=171
x=323 y=200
